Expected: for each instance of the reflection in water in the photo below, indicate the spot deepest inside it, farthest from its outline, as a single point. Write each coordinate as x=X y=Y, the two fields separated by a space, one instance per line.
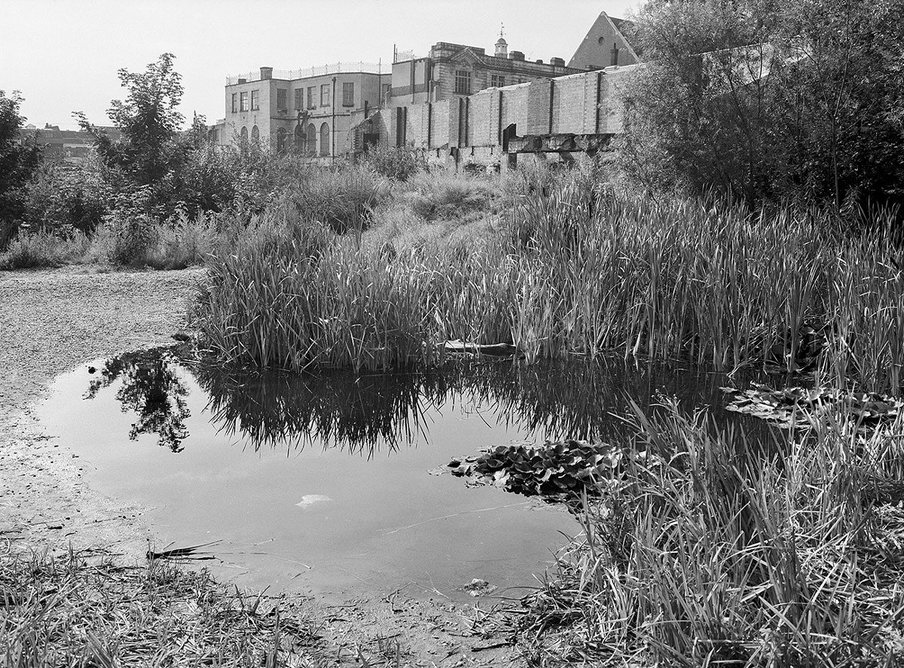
x=152 y=389
x=561 y=400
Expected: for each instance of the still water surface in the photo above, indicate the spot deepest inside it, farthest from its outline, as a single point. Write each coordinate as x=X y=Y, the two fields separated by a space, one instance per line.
x=322 y=483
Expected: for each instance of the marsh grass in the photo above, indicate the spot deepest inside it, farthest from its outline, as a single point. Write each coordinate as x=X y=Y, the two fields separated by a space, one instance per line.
x=569 y=268
x=82 y=610
x=444 y=196
x=700 y=555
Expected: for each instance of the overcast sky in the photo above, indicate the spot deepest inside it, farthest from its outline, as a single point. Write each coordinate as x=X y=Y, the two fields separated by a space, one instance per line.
x=63 y=54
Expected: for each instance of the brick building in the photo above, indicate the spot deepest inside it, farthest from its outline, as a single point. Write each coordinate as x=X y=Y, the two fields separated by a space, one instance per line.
x=458 y=104
x=608 y=43
x=308 y=110
x=64 y=145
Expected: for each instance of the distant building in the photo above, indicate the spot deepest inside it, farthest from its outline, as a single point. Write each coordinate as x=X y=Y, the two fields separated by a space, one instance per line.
x=457 y=104
x=64 y=145
x=607 y=44
x=310 y=111
x=458 y=69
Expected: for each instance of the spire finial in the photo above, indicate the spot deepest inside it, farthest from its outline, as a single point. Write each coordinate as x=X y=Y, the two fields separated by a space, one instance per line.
x=501 y=30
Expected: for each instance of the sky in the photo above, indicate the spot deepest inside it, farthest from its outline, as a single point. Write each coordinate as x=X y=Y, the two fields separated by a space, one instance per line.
x=63 y=55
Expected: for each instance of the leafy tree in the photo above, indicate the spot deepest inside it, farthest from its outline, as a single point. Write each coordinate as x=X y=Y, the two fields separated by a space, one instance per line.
x=768 y=100
x=18 y=160
x=149 y=149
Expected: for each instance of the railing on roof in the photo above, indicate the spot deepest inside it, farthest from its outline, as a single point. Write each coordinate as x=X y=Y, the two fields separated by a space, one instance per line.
x=319 y=71
x=399 y=56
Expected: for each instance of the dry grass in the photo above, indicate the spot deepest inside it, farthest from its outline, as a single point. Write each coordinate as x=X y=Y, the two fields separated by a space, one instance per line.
x=81 y=610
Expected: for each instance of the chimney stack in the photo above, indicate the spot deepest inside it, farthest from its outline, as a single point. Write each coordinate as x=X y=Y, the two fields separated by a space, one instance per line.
x=266 y=73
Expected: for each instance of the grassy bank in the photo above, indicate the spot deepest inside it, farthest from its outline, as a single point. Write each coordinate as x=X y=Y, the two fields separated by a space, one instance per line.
x=81 y=610
x=700 y=556
x=560 y=267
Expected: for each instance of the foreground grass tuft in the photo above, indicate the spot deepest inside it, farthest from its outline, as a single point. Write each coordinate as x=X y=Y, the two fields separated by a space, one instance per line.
x=76 y=611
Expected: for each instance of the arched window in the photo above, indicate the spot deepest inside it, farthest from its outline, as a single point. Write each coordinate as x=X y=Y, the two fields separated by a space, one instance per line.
x=244 y=135
x=299 y=139
x=280 y=139
x=324 y=139
x=311 y=147
x=255 y=135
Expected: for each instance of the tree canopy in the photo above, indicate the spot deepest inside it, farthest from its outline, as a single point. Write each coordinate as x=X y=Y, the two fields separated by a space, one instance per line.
x=18 y=160
x=768 y=100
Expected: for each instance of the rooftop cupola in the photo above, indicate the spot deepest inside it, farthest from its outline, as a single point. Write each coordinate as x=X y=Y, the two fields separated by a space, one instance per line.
x=501 y=46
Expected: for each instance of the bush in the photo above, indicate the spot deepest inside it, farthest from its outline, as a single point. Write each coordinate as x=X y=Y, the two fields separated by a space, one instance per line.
x=397 y=163
x=62 y=196
x=182 y=242
x=344 y=199
x=44 y=249
x=447 y=196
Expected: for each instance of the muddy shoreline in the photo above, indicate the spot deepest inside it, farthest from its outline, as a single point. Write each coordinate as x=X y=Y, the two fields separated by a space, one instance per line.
x=54 y=320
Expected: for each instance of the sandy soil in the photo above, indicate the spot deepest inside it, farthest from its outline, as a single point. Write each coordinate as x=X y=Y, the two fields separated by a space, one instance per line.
x=52 y=321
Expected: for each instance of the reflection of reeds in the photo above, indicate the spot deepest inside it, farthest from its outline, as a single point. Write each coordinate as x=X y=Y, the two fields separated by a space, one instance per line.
x=572 y=270
x=362 y=413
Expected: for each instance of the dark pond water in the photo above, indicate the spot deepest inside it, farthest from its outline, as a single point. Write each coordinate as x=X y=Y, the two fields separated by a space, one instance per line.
x=322 y=483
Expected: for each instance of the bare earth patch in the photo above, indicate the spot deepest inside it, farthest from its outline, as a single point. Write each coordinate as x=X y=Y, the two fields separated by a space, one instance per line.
x=52 y=321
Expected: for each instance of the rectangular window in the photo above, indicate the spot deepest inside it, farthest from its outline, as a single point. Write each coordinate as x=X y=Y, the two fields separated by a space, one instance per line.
x=497 y=81
x=324 y=95
x=282 y=103
x=348 y=94
x=255 y=100
x=243 y=101
x=310 y=97
x=299 y=98
x=235 y=102
x=462 y=82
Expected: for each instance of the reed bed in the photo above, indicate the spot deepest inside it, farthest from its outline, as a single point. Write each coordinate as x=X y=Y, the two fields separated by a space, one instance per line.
x=700 y=556
x=569 y=269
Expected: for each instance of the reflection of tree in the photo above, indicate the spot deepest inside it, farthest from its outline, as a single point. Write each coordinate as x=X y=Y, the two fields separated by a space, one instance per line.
x=150 y=387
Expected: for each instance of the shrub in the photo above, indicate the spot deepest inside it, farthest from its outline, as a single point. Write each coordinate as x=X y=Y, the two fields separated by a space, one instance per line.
x=396 y=163
x=343 y=199
x=67 y=196
x=44 y=249
x=445 y=195
x=128 y=231
x=182 y=242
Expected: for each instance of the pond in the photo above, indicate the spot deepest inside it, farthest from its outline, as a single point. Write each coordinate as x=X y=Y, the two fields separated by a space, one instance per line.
x=327 y=484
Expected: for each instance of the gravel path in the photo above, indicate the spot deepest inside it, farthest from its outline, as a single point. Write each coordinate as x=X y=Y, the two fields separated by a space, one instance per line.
x=50 y=322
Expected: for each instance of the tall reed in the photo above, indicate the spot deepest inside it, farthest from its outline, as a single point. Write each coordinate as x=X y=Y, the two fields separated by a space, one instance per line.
x=570 y=270
x=700 y=555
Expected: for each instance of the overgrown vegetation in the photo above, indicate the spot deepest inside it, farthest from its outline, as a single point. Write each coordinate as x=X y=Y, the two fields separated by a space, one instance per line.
x=769 y=101
x=17 y=163
x=571 y=269
x=707 y=550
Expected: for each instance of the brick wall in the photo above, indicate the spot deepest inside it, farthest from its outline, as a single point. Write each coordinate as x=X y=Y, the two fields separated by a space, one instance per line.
x=584 y=103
